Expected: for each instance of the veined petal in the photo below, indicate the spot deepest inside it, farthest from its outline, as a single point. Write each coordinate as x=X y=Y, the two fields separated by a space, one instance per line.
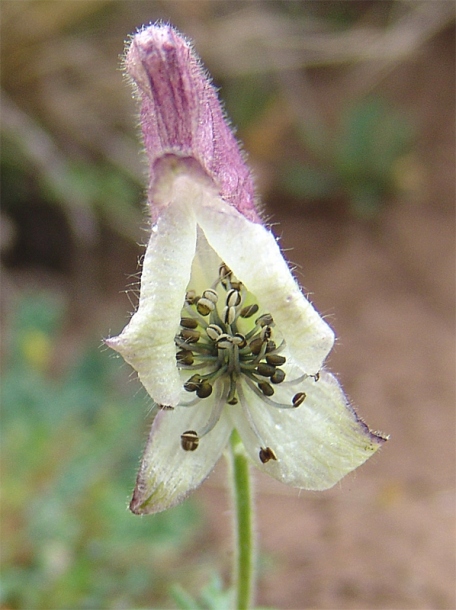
x=168 y=473
x=147 y=342
x=254 y=256
x=316 y=444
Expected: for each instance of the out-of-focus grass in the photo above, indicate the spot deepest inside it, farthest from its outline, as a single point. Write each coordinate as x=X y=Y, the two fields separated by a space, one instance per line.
x=70 y=449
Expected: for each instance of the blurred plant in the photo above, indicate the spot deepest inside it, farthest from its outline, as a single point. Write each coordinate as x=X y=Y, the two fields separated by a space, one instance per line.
x=360 y=165
x=68 y=455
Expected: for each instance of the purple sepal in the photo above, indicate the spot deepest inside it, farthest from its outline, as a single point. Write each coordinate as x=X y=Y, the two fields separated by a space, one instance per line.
x=181 y=115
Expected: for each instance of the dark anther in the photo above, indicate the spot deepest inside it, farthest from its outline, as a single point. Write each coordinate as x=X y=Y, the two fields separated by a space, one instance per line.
x=189 y=440
x=190 y=335
x=204 y=390
x=166 y=407
x=193 y=383
x=275 y=359
x=190 y=297
x=266 y=388
x=224 y=271
x=271 y=346
x=255 y=345
x=316 y=376
x=264 y=320
x=189 y=322
x=185 y=356
x=298 y=399
x=266 y=333
x=266 y=370
x=249 y=310
x=267 y=454
x=278 y=376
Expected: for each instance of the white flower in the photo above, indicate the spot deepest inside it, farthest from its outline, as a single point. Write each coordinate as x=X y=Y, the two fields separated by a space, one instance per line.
x=223 y=338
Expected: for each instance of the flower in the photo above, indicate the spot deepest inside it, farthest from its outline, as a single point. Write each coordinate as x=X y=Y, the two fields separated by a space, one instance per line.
x=223 y=337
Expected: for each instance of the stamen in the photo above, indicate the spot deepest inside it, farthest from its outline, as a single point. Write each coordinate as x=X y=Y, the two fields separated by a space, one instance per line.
x=266 y=370
x=214 y=331
x=216 y=413
x=239 y=340
x=194 y=347
x=266 y=399
x=225 y=341
x=275 y=359
x=189 y=322
x=194 y=314
x=266 y=333
x=232 y=399
x=193 y=383
x=233 y=298
x=265 y=320
x=266 y=388
x=204 y=390
x=205 y=306
x=278 y=376
x=298 y=399
x=229 y=314
x=184 y=357
x=189 y=440
x=211 y=295
x=249 y=311
x=224 y=271
x=190 y=335
x=267 y=454
x=251 y=423
x=190 y=297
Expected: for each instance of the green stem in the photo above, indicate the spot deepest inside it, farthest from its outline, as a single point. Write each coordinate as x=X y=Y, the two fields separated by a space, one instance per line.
x=243 y=523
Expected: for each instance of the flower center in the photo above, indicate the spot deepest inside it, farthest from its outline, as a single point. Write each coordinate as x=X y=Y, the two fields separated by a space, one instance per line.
x=224 y=342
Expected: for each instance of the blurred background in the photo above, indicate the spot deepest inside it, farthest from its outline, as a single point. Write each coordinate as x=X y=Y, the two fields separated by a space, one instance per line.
x=346 y=111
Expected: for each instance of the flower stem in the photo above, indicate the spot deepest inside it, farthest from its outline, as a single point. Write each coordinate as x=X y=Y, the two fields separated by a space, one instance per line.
x=243 y=523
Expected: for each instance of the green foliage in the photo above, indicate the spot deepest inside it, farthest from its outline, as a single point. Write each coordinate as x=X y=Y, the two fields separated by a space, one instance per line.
x=70 y=448
x=360 y=166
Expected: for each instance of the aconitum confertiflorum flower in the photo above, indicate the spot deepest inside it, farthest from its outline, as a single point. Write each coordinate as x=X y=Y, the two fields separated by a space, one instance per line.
x=223 y=337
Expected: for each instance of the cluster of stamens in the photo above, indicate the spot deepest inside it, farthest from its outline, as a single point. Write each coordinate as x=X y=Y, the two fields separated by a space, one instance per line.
x=214 y=345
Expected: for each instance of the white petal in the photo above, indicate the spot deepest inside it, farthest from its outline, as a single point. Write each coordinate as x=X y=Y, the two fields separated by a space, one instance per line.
x=316 y=444
x=147 y=342
x=254 y=256
x=168 y=473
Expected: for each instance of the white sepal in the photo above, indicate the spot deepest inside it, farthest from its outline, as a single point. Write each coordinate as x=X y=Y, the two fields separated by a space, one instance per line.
x=168 y=473
x=147 y=342
x=317 y=443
